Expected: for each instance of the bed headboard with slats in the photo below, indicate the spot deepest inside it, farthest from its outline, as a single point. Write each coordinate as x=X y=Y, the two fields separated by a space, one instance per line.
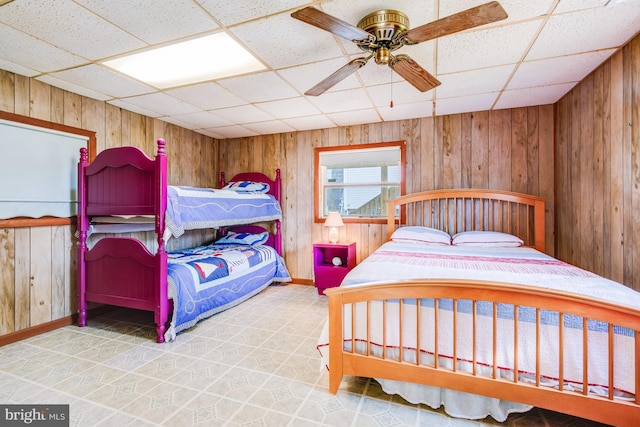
x=457 y=210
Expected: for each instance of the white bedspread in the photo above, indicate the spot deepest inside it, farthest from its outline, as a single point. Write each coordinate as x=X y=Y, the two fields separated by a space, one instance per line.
x=398 y=261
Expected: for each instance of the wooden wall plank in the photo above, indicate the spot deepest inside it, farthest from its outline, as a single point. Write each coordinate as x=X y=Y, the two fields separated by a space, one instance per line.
x=7 y=91
x=7 y=281
x=40 y=280
x=22 y=277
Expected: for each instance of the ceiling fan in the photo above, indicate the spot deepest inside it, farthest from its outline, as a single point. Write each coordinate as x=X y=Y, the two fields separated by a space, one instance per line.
x=383 y=31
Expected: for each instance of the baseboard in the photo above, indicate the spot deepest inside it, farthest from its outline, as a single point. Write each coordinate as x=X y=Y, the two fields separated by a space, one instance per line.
x=33 y=331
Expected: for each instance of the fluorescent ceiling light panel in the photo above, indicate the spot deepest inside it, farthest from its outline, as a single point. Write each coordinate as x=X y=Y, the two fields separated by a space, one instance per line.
x=206 y=58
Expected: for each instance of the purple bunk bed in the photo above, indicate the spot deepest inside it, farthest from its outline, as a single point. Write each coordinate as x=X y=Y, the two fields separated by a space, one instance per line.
x=181 y=287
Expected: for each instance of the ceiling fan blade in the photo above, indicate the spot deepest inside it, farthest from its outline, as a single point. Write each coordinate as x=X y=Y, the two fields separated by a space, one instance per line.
x=330 y=23
x=413 y=73
x=335 y=78
x=470 y=18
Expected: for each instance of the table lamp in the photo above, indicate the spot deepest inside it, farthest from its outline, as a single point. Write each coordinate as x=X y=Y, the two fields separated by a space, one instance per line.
x=334 y=220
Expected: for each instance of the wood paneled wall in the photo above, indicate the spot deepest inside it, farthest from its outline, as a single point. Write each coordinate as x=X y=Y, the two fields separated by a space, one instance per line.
x=38 y=264
x=502 y=149
x=598 y=170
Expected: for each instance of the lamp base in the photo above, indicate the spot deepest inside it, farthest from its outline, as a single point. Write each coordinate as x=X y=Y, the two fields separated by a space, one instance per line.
x=334 y=235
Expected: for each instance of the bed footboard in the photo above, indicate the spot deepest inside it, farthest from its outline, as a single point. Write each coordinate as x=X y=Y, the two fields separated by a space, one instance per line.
x=460 y=334
x=121 y=271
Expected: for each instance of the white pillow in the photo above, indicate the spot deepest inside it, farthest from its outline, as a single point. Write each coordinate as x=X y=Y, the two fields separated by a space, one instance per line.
x=248 y=187
x=420 y=234
x=486 y=238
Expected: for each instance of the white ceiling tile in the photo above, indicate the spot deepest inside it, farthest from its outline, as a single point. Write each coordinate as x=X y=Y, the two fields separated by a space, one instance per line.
x=465 y=104
x=71 y=87
x=541 y=95
x=268 y=128
x=104 y=80
x=207 y=96
x=566 y=69
x=134 y=108
x=164 y=104
x=18 y=69
x=310 y=122
x=474 y=82
x=333 y=102
x=83 y=33
x=485 y=48
x=259 y=87
x=406 y=111
x=243 y=114
x=400 y=92
x=164 y=25
x=174 y=121
x=203 y=119
x=32 y=53
x=354 y=117
x=573 y=5
x=586 y=31
x=288 y=108
x=232 y=132
x=232 y=12
x=282 y=41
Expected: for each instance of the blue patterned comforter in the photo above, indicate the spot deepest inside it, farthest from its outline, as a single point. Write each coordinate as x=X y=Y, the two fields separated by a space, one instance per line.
x=209 y=279
x=190 y=208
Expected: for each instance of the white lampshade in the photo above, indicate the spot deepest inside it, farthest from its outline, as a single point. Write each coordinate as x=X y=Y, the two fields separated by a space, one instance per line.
x=334 y=220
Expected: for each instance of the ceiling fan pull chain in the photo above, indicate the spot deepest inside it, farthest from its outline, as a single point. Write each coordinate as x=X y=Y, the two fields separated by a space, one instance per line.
x=391 y=85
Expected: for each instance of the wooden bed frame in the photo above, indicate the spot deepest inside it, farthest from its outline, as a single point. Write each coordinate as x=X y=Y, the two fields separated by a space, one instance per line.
x=125 y=181
x=468 y=209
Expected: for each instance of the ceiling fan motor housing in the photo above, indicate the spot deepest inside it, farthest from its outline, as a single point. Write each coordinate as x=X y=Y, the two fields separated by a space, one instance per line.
x=384 y=24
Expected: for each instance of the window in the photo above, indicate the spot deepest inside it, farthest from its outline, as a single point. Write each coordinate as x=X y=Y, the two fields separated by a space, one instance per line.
x=357 y=180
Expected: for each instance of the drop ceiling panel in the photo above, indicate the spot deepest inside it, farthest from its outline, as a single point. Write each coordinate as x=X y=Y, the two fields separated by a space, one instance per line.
x=566 y=69
x=474 y=82
x=407 y=111
x=208 y=96
x=33 y=54
x=541 y=95
x=332 y=102
x=243 y=114
x=352 y=117
x=289 y=108
x=104 y=80
x=310 y=122
x=164 y=104
x=259 y=87
x=192 y=20
x=233 y=12
x=84 y=33
x=282 y=41
x=485 y=48
x=586 y=30
x=466 y=104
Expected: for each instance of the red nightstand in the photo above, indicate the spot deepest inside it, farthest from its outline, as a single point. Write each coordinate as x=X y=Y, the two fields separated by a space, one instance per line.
x=327 y=274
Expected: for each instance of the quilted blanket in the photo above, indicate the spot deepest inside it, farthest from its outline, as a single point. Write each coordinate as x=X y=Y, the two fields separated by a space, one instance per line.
x=190 y=208
x=209 y=279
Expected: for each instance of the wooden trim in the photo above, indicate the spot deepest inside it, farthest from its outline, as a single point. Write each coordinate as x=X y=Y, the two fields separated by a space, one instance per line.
x=33 y=331
x=91 y=147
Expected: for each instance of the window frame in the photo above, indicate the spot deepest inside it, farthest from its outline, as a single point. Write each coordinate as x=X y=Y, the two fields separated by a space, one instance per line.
x=318 y=185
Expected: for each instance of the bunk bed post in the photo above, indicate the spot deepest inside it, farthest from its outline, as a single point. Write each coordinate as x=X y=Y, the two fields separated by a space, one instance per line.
x=277 y=194
x=82 y=226
x=162 y=302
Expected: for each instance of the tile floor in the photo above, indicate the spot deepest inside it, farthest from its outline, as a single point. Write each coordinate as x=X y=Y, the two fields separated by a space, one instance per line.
x=253 y=365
